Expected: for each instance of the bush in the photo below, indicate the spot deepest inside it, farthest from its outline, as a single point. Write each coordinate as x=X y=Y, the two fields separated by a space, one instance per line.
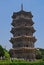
x=38 y=54
x=7 y=56
x=5 y=62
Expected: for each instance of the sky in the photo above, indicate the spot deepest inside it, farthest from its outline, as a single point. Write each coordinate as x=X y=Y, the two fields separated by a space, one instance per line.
x=7 y=7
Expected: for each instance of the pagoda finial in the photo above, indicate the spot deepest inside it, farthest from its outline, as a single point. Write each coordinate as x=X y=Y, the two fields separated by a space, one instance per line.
x=22 y=7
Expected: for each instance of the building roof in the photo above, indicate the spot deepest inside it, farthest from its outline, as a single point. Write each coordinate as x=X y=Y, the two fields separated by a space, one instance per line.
x=15 y=14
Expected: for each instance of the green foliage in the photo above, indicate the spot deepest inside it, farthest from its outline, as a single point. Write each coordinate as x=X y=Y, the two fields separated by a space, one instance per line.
x=4 y=52
x=1 y=51
x=19 y=60
x=42 y=52
x=10 y=53
x=8 y=62
x=7 y=56
x=38 y=54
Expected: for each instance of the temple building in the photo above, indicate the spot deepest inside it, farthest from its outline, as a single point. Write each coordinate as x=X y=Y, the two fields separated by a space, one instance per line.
x=23 y=39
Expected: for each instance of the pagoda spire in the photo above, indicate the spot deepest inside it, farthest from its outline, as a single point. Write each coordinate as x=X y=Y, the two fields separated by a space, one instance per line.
x=21 y=7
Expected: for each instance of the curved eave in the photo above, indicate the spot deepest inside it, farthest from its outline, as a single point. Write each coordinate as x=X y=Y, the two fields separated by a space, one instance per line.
x=12 y=30
x=12 y=40
x=24 y=49
x=13 y=24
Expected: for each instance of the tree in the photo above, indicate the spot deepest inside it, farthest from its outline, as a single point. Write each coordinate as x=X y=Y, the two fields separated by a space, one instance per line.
x=7 y=56
x=38 y=54
x=1 y=51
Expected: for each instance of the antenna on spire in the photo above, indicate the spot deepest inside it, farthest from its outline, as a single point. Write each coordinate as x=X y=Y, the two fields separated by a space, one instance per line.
x=22 y=7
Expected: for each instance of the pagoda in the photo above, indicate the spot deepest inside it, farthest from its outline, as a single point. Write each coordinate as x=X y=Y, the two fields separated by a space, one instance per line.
x=23 y=39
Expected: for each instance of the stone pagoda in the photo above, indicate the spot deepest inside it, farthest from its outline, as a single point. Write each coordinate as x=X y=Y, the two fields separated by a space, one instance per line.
x=23 y=39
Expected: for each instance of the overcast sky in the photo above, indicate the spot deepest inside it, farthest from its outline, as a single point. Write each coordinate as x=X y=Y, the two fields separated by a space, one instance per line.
x=7 y=7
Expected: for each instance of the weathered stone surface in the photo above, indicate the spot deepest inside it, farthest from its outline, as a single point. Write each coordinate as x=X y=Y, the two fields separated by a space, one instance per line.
x=23 y=40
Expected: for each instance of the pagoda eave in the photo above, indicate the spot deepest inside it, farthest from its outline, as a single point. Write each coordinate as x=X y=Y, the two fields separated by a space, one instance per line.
x=12 y=40
x=30 y=28
x=15 y=14
x=24 y=49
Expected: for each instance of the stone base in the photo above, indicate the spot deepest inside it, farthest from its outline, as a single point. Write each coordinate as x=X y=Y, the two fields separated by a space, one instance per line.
x=23 y=54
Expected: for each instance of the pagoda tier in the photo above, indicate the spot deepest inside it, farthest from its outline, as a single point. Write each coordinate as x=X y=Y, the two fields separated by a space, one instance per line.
x=20 y=13
x=22 y=30
x=22 y=38
x=24 y=53
x=22 y=22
